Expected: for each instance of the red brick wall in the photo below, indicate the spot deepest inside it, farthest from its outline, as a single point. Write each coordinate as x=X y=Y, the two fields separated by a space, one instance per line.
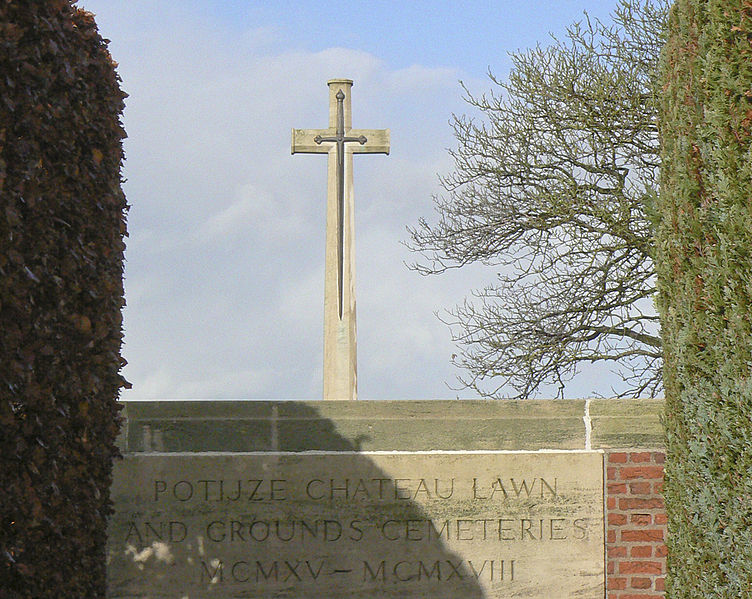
x=635 y=525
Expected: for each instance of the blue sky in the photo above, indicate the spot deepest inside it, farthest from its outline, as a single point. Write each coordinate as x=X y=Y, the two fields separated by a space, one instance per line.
x=469 y=35
x=224 y=272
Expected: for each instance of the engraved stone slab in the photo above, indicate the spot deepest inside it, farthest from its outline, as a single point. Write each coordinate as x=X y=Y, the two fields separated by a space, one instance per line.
x=342 y=524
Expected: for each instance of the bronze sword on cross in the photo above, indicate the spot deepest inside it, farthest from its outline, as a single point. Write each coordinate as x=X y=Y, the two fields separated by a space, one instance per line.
x=340 y=139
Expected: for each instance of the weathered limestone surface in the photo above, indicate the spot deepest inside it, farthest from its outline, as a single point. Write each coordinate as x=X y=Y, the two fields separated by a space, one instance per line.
x=627 y=423
x=364 y=425
x=339 y=525
x=414 y=499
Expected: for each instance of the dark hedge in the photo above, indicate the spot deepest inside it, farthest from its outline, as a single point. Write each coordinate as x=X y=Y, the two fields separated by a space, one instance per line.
x=62 y=229
x=704 y=267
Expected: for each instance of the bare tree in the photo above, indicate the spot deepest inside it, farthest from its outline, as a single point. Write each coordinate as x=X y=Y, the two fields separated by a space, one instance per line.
x=555 y=184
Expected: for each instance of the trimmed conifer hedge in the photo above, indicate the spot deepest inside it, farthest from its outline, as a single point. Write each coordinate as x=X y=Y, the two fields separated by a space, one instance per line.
x=704 y=266
x=62 y=228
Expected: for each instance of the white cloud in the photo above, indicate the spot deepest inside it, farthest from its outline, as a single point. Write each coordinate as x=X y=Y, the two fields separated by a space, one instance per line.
x=225 y=258
x=272 y=218
x=419 y=79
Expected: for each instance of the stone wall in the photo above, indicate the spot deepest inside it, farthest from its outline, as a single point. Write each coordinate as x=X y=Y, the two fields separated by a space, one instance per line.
x=621 y=440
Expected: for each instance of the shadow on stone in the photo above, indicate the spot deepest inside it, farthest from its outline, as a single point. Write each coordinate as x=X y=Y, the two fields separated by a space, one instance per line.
x=273 y=500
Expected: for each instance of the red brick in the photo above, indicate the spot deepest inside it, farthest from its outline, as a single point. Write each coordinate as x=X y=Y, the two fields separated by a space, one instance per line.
x=611 y=536
x=640 y=568
x=617 y=551
x=611 y=473
x=644 y=536
x=658 y=487
x=617 y=519
x=642 y=472
x=645 y=456
x=617 y=458
x=642 y=488
x=641 y=551
x=611 y=503
x=641 y=519
x=660 y=584
x=617 y=488
x=640 y=596
x=661 y=551
x=660 y=519
x=617 y=584
x=659 y=457
x=637 y=503
x=640 y=583
x=611 y=567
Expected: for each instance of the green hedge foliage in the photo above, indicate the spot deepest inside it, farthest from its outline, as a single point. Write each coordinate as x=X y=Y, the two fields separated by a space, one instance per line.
x=62 y=229
x=704 y=267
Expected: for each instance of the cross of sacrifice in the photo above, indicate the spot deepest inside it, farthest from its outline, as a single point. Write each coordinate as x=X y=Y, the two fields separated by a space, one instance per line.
x=340 y=141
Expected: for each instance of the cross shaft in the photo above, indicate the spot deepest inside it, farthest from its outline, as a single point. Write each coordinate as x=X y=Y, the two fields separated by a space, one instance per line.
x=340 y=142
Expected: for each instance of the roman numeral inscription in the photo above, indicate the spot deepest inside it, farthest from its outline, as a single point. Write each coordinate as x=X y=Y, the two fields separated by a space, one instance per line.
x=326 y=524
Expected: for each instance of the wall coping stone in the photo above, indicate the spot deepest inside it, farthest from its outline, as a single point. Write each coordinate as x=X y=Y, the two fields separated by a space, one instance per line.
x=390 y=425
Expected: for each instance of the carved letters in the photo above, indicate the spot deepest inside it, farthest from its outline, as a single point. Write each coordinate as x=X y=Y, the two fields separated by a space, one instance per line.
x=476 y=526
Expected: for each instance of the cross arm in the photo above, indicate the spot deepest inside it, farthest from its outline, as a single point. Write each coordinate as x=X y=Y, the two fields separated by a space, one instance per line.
x=302 y=141
x=378 y=141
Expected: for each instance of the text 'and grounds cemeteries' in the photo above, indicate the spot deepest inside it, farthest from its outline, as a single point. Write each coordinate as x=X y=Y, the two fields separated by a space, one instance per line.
x=348 y=524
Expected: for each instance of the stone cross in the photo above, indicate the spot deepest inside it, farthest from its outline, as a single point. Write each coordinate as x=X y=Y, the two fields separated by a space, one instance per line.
x=340 y=141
